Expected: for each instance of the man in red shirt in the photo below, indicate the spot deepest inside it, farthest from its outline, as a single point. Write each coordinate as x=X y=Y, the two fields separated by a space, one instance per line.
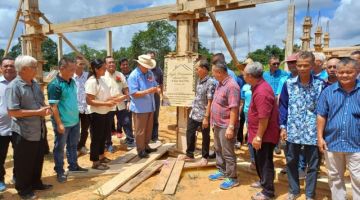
x=224 y=115
x=263 y=127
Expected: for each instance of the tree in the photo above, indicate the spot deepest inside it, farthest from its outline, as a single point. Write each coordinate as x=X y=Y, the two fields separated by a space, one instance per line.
x=263 y=55
x=15 y=50
x=159 y=37
x=49 y=50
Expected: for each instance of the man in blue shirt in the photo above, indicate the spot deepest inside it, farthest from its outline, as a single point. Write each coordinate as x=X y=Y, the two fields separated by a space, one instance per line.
x=338 y=122
x=297 y=105
x=274 y=75
x=142 y=86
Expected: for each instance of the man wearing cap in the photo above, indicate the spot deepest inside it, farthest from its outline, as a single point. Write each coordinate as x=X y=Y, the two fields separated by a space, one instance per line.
x=142 y=86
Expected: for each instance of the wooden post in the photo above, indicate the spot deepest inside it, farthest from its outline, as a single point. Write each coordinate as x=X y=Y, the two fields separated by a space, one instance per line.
x=23 y=46
x=14 y=27
x=33 y=34
x=187 y=41
x=60 y=48
x=289 y=44
x=109 y=51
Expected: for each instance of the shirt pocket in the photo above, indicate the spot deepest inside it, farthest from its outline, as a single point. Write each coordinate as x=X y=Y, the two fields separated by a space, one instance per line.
x=222 y=100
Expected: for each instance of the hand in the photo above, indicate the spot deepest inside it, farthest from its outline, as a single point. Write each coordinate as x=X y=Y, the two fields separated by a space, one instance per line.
x=229 y=134
x=45 y=111
x=110 y=103
x=256 y=144
x=152 y=90
x=128 y=105
x=205 y=123
x=61 y=128
x=120 y=98
x=322 y=145
x=283 y=134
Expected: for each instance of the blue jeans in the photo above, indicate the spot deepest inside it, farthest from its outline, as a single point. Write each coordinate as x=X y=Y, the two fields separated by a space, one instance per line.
x=125 y=121
x=311 y=154
x=302 y=163
x=71 y=138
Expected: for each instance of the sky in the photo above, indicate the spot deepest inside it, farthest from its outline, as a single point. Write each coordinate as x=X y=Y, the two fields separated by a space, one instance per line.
x=265 y=22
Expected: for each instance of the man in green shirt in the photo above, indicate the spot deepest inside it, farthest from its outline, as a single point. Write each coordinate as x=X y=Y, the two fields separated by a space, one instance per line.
x=63 y=100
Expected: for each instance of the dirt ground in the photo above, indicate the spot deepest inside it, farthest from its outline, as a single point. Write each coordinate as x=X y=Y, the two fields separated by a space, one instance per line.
x=193 y=183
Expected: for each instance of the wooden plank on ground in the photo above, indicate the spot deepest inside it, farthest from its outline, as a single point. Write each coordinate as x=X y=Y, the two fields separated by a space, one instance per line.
x=145 y=174
x=174 y=177
x=131 y=154
x=193 y=165
x=164 y=174
x=110 y=186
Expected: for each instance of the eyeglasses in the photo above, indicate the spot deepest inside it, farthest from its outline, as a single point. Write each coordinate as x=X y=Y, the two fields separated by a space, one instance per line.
x=331 y=66
x=275 y=64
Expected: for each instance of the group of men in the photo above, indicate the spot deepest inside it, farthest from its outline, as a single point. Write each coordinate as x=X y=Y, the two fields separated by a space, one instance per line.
x=314 y=110
x=23 y=110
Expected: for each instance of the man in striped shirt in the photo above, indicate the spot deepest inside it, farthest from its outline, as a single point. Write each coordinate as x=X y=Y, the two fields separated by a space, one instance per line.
x=338 y=126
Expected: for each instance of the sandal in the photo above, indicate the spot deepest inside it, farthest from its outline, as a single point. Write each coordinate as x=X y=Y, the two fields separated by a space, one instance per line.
x=256 y=185
x=260 y=196
x=105 y=160
x=100 y=166
x=186 y=158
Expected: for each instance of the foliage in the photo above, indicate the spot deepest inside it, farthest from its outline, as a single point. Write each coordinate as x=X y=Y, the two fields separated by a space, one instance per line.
x=263 y=55
x=49 y=50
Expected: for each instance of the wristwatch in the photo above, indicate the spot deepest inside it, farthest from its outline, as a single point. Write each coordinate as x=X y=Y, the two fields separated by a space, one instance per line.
x=231 y=127
x=257 y=138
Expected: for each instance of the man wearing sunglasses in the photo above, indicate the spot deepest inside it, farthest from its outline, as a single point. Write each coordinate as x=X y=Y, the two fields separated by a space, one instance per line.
x=274 y=75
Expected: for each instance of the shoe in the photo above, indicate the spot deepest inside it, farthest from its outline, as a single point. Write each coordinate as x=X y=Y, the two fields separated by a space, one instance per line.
x=186 y=158
x=79 y=169
x=110 y=149
x=100 y=166
x=256 y=184
x=61 y=178
x=283 y=170
x=260 y=196
x=28 y=196
x=216 y=176
x=212 y=155
x=237 y=145
x=143 y=154
x=229 y=183
x=252 y=166
x=150 y=150
x=292 y=196
x=277 y=150
x=302 y=175
x=203 y=162
x=2 y=186
x=83 y=151
x=105 y=160
x=43 y=187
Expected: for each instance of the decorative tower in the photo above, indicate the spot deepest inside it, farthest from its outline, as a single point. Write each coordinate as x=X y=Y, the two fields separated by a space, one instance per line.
x=306 y=38
x=318 y=39
x=327 y=36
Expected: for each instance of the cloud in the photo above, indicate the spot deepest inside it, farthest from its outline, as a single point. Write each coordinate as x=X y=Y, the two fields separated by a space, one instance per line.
x=267 y=22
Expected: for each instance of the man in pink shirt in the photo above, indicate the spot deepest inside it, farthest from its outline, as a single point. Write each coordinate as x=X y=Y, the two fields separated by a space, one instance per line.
x=263 y=127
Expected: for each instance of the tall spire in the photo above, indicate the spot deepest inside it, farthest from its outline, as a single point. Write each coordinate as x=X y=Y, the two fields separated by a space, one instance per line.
x=308 y=9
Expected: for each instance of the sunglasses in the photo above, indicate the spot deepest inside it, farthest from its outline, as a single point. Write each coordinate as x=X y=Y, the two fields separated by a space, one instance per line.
x=275 y=64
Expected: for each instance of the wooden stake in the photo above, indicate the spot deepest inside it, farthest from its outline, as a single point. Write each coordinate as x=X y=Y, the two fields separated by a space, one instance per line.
x=18 y=12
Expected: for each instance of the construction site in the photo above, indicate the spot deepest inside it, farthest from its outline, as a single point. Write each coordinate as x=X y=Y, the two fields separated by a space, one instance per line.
x=162 y=175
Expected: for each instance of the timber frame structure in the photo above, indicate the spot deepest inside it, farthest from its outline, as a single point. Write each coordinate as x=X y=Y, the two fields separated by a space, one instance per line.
x=187 y=14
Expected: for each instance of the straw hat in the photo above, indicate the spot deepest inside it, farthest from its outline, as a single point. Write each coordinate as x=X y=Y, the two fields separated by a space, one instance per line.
x=146 y=61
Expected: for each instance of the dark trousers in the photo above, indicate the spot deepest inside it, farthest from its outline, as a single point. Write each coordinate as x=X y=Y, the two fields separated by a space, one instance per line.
x=46 y=143
x=28 y=163
x=155 y=131
x=100 y=125
x=84 y=133
x=192 y=126
x=311 y=154
x=240 y=133
x=4 y=145
x=108 y=141
x=124 y=120
x=265 y=168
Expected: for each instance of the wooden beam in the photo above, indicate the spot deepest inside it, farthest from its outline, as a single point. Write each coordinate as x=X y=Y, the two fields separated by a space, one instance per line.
x=164 y=174
x=289 y=44
x=222 y=34
x=174 y=177
x=60 y=48
x=109 y=51
x=146 y=15
x=18 y=12
x=113 y=20
x=145 y=174
x=110 y=186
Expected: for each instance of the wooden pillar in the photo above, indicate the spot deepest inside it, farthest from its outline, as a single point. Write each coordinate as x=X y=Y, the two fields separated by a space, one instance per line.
x=33 y=37
x=60 y=48
x=289 y=44
x=187 y=41
x=318 y=39
x=109 y=51
x=23 y=46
